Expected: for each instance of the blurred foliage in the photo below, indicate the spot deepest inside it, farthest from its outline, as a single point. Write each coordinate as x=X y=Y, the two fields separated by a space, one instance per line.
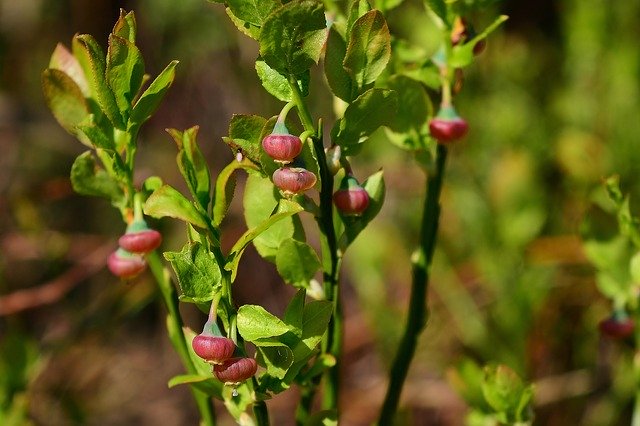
x=552 y=105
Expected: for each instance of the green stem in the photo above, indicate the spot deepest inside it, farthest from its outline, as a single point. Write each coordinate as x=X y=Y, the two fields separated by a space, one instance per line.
x=303 y=111
x=176 y=334
x=418 y=311
x=261 y=413
x=332 y=340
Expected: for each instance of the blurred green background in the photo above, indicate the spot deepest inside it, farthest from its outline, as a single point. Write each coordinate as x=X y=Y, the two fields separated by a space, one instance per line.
x=553 y=105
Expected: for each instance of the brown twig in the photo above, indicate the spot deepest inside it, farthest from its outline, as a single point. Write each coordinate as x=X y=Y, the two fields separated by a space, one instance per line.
x=52 y=291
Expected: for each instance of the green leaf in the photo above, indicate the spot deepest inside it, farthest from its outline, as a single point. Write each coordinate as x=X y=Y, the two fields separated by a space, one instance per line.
x=338 y=78
x=276 y=357
x=197 y=271
x=297 y=262
x=286 y=209
x=88 y=178
x=244 y=27
x=124 y=73
x=506 y=393
x=358 y=9
x=368 y=49
x=414 y=105
x=353 y=225
x=207 y=384
x=192 y=165
x=294 y=312
x=438 y=7
x=386 y=5
x=90 y=52
x=315 y=320
x=260 y=199
x=253 y=11
x=277 y=84
x=90 y=131
x=244 y=135
x=372 y=109
x=224 y=189
x=462 y=55
x=323 y=418
x=65 y=100
x=167 y=201
x=63 y=60
x=152 y=96
x=255 y=323
x=292 y=37
x=126 y=26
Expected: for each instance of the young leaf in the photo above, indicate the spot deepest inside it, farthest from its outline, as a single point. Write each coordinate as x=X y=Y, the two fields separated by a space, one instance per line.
x=207 y=384
x=293 y=313
x=285 y=209
x=224 y=189
x=297 y=262
x=277 y=84
x=292 y=36
x=89 y=52
x=124 y=73
x=353 y=225
x=275 y=356
x=94 y=134
x=167 y=201
x=152 y=96
x=197 y=271
x=315 y=320
x=462 y=55
x=414 y=105
x=244 y=135
x=260 y=200
x=338 y=78
x=126 y=26
x=193 y=165
x=439 y=8
x=244 y=27
x=358 y=9
x=255 y=323
x=253 y=11
x=372 y=109
x=63 y=60
x=65 y=100
x=88 y=178
x=369 y=49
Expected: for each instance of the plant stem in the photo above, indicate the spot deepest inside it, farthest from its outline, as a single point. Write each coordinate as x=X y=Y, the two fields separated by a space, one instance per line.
x=176 y=334
x=261 y=413
x=332 y=340
x=418 y=311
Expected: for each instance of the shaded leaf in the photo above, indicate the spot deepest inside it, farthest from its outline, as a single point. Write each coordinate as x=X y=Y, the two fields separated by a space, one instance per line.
x=368 y=48
x=153 y=95
x=292 y=37
x=277 y=84
x=88 y=51
x=65 y=100
x=253 y=11
x=338 y=78
x=297 y=262
x=88 y=178
x=124 y=72
x=197 y=271
x=192 y=165
x=167 y=201
x=276 y=357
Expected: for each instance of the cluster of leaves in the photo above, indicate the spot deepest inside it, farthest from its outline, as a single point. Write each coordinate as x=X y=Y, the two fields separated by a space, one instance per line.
x=495 y=394
x=613 y=246
x=102 y=100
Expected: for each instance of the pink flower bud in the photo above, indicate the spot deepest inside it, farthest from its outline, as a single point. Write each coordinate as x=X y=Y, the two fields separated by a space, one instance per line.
x=293 y=180
x=236 y=370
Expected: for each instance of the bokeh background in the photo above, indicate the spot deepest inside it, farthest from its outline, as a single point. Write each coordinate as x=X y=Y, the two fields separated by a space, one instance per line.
x=553 y=105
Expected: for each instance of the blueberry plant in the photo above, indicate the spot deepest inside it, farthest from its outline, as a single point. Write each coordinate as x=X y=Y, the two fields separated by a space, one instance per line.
x=614 y=249
x=295 y=166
